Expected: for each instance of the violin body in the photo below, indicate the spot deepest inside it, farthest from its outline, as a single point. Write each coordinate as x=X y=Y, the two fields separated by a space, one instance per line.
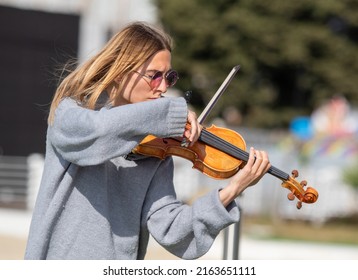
x=205 y=158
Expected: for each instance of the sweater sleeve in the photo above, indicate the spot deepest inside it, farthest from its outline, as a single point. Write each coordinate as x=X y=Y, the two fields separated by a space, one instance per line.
x=186 y=231
x=88 y=137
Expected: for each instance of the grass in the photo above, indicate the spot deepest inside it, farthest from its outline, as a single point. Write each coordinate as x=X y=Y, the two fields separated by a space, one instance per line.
x=335 y=231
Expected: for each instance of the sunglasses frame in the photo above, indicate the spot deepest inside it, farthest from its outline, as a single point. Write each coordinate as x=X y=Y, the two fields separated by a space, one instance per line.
x=154 y=78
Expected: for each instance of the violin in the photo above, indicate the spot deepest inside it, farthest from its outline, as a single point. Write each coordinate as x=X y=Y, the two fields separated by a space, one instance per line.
x=220 y=153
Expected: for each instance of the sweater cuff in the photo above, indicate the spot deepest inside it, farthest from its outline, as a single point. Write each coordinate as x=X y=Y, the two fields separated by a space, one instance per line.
x=230 y=214
x=218 y=216
x=178 y=113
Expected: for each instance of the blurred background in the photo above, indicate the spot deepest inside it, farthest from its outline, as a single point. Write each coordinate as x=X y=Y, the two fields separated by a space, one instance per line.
x=294 y=96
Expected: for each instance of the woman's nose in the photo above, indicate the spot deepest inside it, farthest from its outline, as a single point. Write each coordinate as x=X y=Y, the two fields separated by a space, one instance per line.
x=163 y=86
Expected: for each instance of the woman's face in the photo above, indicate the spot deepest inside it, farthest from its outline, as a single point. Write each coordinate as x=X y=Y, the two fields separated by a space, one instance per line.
x=138 y=86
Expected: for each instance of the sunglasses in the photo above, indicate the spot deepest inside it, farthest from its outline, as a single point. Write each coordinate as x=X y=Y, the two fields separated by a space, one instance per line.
x=171 y=77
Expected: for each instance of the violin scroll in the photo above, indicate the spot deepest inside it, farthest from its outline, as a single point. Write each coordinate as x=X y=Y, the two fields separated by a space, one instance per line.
x=308 y=195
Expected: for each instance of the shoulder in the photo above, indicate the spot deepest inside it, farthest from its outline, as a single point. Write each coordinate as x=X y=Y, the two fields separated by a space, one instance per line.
x=68 y=102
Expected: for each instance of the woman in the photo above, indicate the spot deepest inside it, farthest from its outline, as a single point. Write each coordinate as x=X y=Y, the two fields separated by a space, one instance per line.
x=96 y=203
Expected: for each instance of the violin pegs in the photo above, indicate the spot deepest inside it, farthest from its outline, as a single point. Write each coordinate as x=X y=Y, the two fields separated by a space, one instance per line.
x=294 y=173
x=299 y=205
x=303 y=183
x=290 y=196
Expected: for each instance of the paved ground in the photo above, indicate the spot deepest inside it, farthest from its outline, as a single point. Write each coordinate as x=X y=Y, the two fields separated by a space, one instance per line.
x=14 y=227
x=254 y=249
x=11 y=248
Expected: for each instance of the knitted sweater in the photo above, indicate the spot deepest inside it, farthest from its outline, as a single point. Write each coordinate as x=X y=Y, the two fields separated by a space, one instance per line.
x=94 y=203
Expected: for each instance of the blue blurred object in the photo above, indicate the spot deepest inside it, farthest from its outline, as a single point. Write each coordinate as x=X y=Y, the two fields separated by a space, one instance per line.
x=301 y=127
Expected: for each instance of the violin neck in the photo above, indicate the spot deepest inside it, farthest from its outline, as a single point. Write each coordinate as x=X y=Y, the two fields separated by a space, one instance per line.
x=234 y=151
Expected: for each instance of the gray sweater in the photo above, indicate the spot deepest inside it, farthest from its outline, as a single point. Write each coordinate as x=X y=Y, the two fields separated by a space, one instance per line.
x=94 y=203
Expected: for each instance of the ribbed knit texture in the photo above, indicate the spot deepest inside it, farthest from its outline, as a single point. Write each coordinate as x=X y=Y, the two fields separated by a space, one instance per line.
x=93 y=203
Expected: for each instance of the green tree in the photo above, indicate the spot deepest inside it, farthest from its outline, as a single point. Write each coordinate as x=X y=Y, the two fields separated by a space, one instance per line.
x=350 y=175
x=293 y=54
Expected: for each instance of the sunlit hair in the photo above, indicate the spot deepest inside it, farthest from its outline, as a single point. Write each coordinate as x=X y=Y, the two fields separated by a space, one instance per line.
x=128 y=50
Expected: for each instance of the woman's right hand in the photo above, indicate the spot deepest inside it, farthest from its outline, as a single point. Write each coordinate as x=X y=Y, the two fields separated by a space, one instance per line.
x=193 y=133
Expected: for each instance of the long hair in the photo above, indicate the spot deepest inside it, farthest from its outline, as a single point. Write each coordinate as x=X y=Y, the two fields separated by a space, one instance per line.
x=128 y=50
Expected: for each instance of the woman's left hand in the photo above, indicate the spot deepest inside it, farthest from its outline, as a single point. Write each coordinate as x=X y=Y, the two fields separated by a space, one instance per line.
x=255 y=168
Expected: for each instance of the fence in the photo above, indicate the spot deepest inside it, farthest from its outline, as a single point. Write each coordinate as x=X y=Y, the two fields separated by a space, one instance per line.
x=19 y=180
x=13 y=182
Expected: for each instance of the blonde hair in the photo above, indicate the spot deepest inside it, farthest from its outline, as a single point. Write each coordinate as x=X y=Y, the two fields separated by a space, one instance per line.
x=128 y=50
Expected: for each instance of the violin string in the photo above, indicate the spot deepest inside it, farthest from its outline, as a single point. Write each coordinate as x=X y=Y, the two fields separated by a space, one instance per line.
x=224 y=146
x=216 y=142
x=235 y=151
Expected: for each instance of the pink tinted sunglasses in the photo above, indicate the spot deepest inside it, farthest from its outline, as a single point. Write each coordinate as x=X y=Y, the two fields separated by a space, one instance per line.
x=171 y=77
